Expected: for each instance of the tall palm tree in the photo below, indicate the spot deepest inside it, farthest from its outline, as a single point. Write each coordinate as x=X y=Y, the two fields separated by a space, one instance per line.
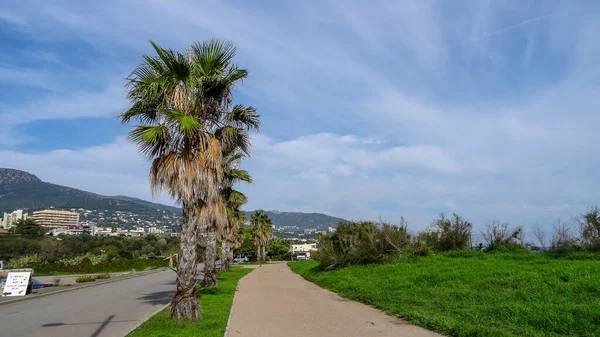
x=261 y=232
x=182 y=105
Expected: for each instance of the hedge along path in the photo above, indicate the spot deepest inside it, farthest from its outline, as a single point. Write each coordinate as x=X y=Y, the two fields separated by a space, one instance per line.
x=273 y=301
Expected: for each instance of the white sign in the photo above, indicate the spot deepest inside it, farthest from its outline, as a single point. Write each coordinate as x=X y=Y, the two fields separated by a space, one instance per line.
x=16 y=283
x=1 y=264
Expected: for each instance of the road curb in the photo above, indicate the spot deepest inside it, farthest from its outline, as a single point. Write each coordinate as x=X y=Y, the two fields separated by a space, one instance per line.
x=233 y=304
x=25 y=298
x=144 y=321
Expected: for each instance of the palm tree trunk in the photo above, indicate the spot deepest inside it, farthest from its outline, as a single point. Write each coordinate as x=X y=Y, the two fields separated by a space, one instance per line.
x=257 y=253
x=264 y=254
x=230 y=257
x=210 y=266
x=185 y=305
x=225 y=256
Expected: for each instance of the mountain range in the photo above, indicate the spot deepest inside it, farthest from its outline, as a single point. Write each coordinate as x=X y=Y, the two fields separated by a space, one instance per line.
x=23 y=190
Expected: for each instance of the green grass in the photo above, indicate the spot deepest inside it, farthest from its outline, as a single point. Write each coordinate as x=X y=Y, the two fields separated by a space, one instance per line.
x=477 y=294
x=215 y=305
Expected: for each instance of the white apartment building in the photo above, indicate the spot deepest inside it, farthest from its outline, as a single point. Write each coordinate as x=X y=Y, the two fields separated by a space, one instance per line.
x=9 y=220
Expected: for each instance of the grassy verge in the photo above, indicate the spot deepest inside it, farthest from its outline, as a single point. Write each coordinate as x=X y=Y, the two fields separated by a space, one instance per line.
x=477 y=294
x=215 y=306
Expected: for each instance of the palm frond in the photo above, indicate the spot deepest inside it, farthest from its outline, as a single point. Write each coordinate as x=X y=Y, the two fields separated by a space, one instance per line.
x=244 y=117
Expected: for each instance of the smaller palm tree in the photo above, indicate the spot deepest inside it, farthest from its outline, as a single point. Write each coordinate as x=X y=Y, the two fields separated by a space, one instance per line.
x=261 y=232
x=233 y=200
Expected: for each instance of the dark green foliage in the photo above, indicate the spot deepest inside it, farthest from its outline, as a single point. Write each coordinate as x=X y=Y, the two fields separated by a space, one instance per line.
x=472 y=294
x=147 y=249
x=247 y=247
x=84 y=279
x=361 y=243
x=278 y=249
x=118 y=265
x=28 y=227
x=52 y=249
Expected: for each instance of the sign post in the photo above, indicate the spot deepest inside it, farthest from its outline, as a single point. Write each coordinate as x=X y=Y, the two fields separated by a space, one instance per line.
x=16 y=283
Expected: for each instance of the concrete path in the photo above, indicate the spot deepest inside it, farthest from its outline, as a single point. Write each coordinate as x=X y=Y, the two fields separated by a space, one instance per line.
x=110 y=309
x=273 y=301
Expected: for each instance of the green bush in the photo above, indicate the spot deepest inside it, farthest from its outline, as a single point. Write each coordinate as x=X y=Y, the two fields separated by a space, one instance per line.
x=23 y=262
x=84 y=279
x=361 y=243
x=452 y=233
x=103 y=276
x=118 y=265
x=589 y=227
x=500 y=237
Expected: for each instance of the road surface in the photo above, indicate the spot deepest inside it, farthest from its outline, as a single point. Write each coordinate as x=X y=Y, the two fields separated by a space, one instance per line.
x=106 y=310
x=293 y=307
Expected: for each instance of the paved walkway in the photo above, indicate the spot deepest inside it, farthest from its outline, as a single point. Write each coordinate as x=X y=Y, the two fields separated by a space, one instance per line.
x=273 y=301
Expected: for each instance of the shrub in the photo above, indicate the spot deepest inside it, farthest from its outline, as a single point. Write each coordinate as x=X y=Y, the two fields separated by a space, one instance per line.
x=562 y=239
x=126 y=254
x=147 y=250
x=500 y=237
x=84 y=279
x=452 y=233
x=23 y=262
x=56 y=282
x=589 y=228
x=361 y=243
x=422 y=244
x=103 y=276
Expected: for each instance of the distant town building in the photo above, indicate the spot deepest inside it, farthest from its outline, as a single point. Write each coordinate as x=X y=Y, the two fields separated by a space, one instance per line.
x=9 y=220
x=307 y=247
x=70 y=230
x=56 y=219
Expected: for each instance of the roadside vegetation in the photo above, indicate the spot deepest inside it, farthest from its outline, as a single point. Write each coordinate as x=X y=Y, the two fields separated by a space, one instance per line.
x=440 y=280
x=216 y=305
x=68 y=254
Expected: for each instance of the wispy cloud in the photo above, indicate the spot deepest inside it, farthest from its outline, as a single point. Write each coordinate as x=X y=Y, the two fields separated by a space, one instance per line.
x=518 y=25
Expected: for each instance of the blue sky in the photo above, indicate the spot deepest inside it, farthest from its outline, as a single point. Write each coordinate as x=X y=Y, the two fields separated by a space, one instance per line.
x=369 y=109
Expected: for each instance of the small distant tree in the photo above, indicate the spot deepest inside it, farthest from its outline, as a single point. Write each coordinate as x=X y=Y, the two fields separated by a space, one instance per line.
x=454 y=233
x=113 y=229
x=261 y=232
x=28 y=227
x=540 y=235
x=589 y=229
x=562 y=237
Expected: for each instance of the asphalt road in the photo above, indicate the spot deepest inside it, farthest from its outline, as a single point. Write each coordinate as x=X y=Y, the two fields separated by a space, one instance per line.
x=111 y=309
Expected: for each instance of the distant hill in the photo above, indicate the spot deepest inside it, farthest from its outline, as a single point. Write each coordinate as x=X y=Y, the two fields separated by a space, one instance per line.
x=23 y=190
x=301 y=220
